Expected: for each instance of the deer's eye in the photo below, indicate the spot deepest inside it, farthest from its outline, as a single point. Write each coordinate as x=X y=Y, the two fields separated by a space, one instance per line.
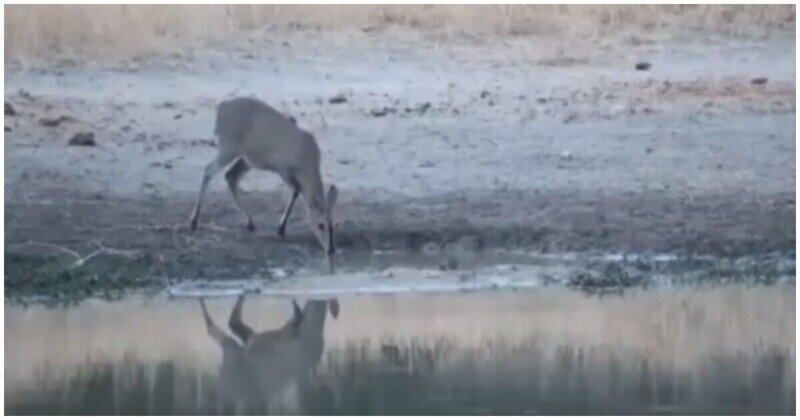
x=321 y=226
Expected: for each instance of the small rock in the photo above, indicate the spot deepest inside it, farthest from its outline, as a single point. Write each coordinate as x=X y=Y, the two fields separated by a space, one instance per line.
x=427 y=164
x=337 y=99
x=6 y=129
x=382 y=112
x=25 y=94
x=759 y=81
x=207 y=142
x=570 y=118
x=424 y=108
x=169 y=105
x=643 y=66
x=344 y=161
x=648 y=150
x=248 y=56
x=484 y=94
x=177 y=116
x=83 y=139
x=9 y=110
x=54 y=122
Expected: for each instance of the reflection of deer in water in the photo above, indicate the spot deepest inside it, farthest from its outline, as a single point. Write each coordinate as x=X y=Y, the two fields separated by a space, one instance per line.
x=260 y=366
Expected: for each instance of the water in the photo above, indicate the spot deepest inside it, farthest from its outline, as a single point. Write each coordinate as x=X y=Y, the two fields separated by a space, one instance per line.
x=723 y=350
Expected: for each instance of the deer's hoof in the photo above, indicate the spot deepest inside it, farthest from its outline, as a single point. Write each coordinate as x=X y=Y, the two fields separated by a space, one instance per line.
x=281 y=231
x=251 y=227
x=193 y=226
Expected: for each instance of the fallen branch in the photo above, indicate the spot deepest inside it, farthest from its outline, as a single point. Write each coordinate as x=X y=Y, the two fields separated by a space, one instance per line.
x=104 y=250
x=80 y=260
x=60 y=248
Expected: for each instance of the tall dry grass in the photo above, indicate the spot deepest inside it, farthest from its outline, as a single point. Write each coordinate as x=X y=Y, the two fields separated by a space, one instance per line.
x=114 y=31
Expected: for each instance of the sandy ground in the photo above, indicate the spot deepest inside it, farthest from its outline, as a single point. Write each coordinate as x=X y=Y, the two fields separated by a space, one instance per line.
x=442 y=145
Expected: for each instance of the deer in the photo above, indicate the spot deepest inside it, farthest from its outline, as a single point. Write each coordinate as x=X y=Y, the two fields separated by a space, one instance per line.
x=253 y=135
x=258 y=366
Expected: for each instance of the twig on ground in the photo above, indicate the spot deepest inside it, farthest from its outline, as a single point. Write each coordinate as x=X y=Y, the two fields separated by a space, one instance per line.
x=104 y=250
x=59 y=248
x=80 y=260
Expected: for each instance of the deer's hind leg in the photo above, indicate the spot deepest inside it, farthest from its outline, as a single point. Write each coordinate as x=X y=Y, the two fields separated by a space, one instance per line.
x=233 y=176
x=235 y=322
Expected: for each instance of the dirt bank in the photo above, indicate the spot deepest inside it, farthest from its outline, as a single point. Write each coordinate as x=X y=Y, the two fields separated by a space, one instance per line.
x=521 y=144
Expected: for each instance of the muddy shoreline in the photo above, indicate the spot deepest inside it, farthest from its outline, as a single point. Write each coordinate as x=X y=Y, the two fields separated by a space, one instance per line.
x=154 y=247
x=724 y=226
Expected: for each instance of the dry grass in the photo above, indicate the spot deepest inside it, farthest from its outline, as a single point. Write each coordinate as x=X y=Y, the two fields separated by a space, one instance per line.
x=116 y=31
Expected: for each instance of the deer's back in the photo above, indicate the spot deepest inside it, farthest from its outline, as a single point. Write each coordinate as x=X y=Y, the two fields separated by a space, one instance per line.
x=265 y=137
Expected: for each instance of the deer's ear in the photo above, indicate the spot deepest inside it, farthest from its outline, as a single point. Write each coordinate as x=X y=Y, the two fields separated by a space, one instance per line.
x=333 y=194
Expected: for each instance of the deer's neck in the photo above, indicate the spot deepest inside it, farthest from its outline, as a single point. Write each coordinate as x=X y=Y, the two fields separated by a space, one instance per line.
x=312 y=190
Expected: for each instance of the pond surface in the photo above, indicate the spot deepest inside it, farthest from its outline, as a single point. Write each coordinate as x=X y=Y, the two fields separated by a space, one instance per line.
x=722 y=350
